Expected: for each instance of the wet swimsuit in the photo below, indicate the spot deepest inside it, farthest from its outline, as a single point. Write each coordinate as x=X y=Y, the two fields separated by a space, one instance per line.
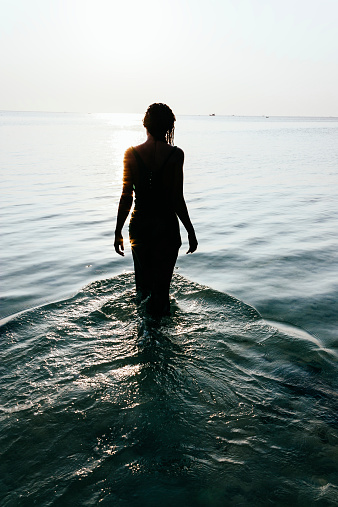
x=154 y=236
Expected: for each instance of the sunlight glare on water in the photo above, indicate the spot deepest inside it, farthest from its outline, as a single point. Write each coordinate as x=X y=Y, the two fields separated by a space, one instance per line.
x=209 y=406
x=232 y=400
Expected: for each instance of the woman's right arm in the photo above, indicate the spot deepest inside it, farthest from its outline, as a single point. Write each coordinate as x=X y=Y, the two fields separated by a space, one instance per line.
x=181 y=207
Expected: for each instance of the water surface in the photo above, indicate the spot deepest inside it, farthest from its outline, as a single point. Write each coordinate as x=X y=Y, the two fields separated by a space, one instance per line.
x=230 y=401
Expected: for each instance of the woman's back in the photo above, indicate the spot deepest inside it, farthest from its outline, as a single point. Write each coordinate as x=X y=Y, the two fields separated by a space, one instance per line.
x=154 y=168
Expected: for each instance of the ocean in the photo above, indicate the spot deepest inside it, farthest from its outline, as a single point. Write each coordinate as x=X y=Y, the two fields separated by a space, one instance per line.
x=230 y=401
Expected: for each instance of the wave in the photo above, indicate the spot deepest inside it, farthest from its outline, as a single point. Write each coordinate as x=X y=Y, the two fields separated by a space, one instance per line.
x=211 y=406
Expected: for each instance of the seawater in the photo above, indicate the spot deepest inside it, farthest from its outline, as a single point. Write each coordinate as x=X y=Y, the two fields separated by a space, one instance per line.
x=231 y=401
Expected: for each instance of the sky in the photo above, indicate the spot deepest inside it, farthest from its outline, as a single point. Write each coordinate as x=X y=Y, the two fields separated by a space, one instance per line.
x=230 y=57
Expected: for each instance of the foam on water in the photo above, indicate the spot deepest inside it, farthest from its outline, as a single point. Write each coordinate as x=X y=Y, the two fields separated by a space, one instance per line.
x=212 y=406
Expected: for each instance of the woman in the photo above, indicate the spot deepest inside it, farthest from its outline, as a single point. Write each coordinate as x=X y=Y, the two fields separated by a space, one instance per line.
x=154 y=172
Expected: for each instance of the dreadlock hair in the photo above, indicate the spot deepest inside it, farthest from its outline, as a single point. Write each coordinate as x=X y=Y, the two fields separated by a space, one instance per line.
x=159 y=120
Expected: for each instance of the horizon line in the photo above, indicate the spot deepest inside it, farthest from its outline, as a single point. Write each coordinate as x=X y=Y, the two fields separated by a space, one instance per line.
x=228 y=115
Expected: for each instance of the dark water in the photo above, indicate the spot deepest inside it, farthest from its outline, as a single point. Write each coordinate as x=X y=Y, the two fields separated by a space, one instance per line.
x=213 y=406
x=218 y=405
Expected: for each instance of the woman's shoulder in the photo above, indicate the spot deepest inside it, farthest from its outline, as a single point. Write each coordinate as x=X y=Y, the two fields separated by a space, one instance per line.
x=177 y=157
x=130 y=150
x=129 y=157
x=176 y=154
x=139 y=147
x=129 y=154
x=179 y=152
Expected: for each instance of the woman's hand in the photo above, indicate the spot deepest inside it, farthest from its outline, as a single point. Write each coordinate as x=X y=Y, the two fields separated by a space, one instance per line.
x=118 y=244
x=192 y=242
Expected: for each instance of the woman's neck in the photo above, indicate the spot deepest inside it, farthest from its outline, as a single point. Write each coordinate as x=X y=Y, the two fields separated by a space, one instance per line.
x=153 y=139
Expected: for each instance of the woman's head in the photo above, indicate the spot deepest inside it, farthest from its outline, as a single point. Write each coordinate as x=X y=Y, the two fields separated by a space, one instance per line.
x=159 y=120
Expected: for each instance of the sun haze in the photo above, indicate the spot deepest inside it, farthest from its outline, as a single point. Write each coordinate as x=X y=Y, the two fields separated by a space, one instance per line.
x=245 y=57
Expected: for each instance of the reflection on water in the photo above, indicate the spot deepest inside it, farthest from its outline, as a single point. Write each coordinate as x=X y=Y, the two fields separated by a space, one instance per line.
x=211 y=406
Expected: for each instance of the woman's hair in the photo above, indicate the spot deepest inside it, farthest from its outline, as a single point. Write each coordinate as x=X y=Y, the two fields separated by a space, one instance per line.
x=159 y=120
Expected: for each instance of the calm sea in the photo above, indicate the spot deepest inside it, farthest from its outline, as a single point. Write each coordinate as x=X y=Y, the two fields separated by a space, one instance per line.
x=231 y=401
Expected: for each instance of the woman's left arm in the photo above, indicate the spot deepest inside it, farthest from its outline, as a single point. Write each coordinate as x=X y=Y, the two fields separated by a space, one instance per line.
x=125 y=204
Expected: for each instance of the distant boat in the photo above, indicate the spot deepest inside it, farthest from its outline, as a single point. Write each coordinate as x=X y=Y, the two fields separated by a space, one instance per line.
x=212 y=114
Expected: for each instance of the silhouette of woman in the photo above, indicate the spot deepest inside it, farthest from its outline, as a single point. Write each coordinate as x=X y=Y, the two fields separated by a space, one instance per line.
x=154 y=172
